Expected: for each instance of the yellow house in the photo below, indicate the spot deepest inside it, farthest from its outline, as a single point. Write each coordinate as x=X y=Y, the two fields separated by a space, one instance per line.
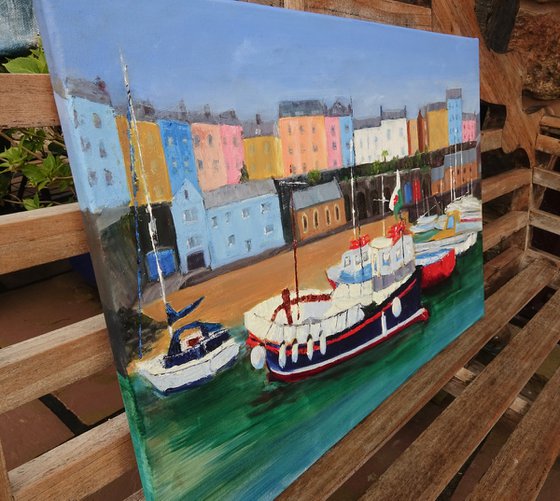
x=263 y=157
x=438 y=126
x=149 y=162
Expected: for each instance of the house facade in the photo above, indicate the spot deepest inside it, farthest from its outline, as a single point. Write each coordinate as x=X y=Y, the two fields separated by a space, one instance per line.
x=262 y=149
x=334 y=149
x=342 y=110
x=394 y=133
x=422 y=126
x=243 y=220
x=231 y=135
x=454 y=98
x=438 y=126
x=412 y=135
x=470 y=132
x=368 y=137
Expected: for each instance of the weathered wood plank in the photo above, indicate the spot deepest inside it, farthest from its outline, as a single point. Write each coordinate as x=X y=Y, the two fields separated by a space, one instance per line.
x=546 y=178
x=500 y=269
x=550 y=121
x=5 y=488
x=26 y=100
x=27 y=369
x=433 y=459
x=548 y=145
x=544 y=221
x=520 y=469
x=540 y=254
x=78 y=467
x=503 y=227
x=40 y=236
x=137 y=496
x=490 y=139
x=346 y=457
x=381 y=11
x=496 y=186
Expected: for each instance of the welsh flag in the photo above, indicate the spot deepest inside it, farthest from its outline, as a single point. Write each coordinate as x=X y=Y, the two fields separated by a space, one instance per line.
x=396 y=200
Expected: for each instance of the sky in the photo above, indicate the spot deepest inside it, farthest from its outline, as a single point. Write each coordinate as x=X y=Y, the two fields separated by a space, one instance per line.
x=246 y=57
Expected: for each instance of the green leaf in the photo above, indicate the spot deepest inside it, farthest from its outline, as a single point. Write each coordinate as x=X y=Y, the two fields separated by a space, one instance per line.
x=32 y=203
x=35 y=173
x=23 y=65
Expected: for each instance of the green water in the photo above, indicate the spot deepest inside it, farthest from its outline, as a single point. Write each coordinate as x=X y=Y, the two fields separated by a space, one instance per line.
x=241 y=437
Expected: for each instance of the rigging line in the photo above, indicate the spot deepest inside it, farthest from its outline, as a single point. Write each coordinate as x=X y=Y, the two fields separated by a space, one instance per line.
x=152 y=229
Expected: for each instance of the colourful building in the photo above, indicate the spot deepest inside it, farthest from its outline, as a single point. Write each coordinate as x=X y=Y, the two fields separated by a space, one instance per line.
x=105 y=185
x=412 y=134
x=263 y=151
x=367 y=140
x=454 y=98
x=422 y=125
x=318 y=209
x=303 y=137
x=343 y=111
x=394 y=140
x=231 y=135
x=470 y=132
x=243 y=220
x=187 y=206
x=149 y=161
x=208 y=151
x=438 y=126
x=334 y=150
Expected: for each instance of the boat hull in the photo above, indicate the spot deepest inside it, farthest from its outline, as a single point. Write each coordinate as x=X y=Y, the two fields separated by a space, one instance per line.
x=436 y=266
x=380 y=323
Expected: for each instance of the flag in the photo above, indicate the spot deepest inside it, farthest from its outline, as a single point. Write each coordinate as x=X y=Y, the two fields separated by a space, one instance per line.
x=396 y=201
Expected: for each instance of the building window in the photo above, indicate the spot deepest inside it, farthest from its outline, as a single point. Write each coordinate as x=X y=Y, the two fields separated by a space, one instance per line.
x=190 y=215
x=235 y=141
x=185 y=140
x=304 y=223
x=301 y=129
x=315 y=148
x=401 y=132
x=196 y=140
x=289 y=130
x=96 y=121
x=290 y=150
x=335 y=163
x=216 y=165
x=200 y=165
x=214 y=221
x=210 y=139
x=86 y=145
x=186 y=193
x=231 y=240
x=174 y=164
x=333 y=131
x=248 y=245
x=224 y=140
x=108 y=177
x=228 y=217
x=337 y=213
x=347 y=128
x=170 y=140
x=334 y=145
x=268 y=229
x=328 y=216
x=265 y=207
x=194 y=241
x=313 y=129
x=245 y=213
x=102 y=150
x=186 y=163
x=315 y=219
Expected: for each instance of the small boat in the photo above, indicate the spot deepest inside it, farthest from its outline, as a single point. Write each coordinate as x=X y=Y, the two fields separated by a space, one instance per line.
x=437 y=265
x=197 y=352
x=377 y=295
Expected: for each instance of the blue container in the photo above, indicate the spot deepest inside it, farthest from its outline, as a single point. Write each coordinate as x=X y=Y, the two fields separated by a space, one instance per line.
x=167 y=263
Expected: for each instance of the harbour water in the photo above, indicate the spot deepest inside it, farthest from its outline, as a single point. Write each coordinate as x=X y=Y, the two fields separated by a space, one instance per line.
x=242 y=437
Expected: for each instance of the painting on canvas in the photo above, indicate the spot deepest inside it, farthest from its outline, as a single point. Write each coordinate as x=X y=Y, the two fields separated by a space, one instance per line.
x=284 y=215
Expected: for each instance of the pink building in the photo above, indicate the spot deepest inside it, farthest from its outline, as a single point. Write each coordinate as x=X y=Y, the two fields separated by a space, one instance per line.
x=232 y=145
x=469 y=127
x=334 y=150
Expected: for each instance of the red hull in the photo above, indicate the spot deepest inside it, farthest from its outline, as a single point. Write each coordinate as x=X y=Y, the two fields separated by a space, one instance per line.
x=434 y=273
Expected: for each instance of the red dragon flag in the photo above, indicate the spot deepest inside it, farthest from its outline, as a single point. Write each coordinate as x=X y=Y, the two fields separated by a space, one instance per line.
x=396 y=200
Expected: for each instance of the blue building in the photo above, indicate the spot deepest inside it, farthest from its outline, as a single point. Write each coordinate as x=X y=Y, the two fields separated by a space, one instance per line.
x=454 y=99
x=243 y=220
x=343 y=111
x=98 y=164
x=187 y=205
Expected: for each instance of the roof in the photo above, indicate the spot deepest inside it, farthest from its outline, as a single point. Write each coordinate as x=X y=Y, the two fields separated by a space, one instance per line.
x=454 y=94
x=393 y=114
x=309 y=107
x=95 y=91
x=232 y=193
x=442 y=105
x=316 y=195
x=254 y=129
x=365 y=123
x=341 y=108
x=469 y=116
x=228 y=118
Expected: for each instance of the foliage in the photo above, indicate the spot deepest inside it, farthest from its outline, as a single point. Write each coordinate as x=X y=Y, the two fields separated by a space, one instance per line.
x=34 y=168
x=314 y=177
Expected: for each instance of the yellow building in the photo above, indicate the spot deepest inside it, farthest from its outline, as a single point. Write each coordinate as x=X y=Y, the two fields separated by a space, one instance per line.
x=149 y=162
x=438 y=126
x=263 y=156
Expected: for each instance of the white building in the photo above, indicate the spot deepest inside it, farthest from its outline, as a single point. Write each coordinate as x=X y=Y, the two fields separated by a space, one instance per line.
x=394 y=135
x=367 y=140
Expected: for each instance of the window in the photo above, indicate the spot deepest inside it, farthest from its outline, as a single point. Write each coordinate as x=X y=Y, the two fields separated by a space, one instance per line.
x=301 y=129
x=365 y=256
x=216 y=165
x=102 y=150
x=335 y=163
x=76 y=119
x=108 y=177
x=235 y=141
x=200 y=165
x=265 y=207
x=194 y=241
x=268 y=229
x=186 y=163
x=224 y=140
x=228 y=217
x=347 y=261
x=315 y=148
x=96 y=121
x=248 y=245
x=347 y=128
x=231 y=240
x=337 y=213
x=389 y=134
x=401 y=132
x=290 y=150
x=210 y=139
x=184 y=140
x=186 y=193
x=190 y=215
x=245 y=213
x=315 y=219
x=304 y=223
x=289 y=130
x=333 y=131
x=86 y=145
x=170 y=140
x=174 y=164
x=214 y=221
x=334 y=145
x=313 y=129
x=328 y=216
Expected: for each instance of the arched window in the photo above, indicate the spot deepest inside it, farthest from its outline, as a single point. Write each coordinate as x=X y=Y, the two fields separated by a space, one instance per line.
x=337 y=212
x=315 y=219
x=304 y=223
x=328 y=216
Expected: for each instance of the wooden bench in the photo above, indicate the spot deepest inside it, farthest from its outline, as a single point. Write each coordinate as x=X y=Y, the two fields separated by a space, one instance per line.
x=478 y=396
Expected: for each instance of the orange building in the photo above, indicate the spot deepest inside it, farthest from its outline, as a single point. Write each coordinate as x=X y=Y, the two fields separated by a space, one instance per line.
x=303 y=137
x=149 y=162
x=208 y=152
x=318 y=209
x=412 y=129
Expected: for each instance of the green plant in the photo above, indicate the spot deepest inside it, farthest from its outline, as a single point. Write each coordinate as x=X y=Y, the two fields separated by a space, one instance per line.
x=313 y=177
x=34 y=169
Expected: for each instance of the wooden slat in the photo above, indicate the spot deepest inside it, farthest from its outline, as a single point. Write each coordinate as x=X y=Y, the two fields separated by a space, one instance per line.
x=490 y=139
x=550 y=121
x=381 y=11
x=40 y=365
x=78 y=467
x=548 y=145
x=40 y=236
x=546 y=178
x=346 y=457
x=545 y=221
x=496 y=186
x=540 y=254
x=433 y=459
x=137 y=496
x=26 y=101
x=503 y=227
x=5 y=488
x=521 y=467
x=500 y=269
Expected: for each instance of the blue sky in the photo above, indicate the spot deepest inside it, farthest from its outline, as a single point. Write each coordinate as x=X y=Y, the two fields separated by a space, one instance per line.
x=234 y=55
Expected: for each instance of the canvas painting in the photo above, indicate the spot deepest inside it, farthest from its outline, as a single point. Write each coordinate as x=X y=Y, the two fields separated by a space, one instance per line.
x=284 y=214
